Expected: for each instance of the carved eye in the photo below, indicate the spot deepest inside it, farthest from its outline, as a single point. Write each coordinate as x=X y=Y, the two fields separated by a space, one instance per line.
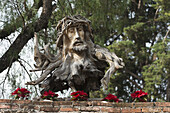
x=71 y=30
x=80 y=29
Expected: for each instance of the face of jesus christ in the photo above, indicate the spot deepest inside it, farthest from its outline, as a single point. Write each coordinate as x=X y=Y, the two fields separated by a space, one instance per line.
x=77 y=39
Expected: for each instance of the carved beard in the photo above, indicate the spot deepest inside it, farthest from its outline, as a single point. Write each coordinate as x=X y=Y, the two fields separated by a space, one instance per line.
x=80 y=48
x=81 y=75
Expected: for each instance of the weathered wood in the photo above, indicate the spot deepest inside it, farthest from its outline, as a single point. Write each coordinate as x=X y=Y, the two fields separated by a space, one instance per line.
x=81 y=64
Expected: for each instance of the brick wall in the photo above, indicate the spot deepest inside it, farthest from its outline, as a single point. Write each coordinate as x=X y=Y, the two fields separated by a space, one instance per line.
x=29 y=106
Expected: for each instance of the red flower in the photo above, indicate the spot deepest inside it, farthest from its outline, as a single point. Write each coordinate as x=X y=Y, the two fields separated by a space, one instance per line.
x=139 y=95
x=49 y=95
x=79 y=95
x=111 y=98
x=16 y=91
x=21 y=93
x=45 y=93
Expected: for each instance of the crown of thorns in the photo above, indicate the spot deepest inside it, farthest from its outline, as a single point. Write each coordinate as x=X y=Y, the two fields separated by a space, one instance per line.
x=68 y=21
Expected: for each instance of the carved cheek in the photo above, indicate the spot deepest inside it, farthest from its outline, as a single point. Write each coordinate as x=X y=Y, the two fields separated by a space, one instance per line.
x=71 y=33
x=81 y=33
x=70 y=36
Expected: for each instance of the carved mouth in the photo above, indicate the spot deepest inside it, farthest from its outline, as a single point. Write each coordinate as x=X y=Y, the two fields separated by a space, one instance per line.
x=77 y=43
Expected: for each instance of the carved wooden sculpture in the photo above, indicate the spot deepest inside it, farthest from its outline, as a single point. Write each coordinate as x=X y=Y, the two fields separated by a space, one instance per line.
x=79 y=63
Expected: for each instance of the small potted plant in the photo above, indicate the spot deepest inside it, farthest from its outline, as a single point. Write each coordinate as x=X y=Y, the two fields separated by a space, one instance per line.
x=49 y=95
x=79 y=96
x=139 y=96
x=21 y=93
x=111 y=98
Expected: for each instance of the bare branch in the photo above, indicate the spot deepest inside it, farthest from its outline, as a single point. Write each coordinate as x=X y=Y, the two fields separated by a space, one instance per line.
x=166 y=35
x=18 y=9
x=156 y=13
x=139 y=4
x=25 y=5
x=61 y=6
x=26 y=35
x=7 y=75
x=25 y=69
x=134 y=75
x=28 y=74
x=70 y=6
x=28 y=65
x=10 y=28
x=134 y=1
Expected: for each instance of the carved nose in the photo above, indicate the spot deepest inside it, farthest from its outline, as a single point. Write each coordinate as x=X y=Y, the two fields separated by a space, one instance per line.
x=78 y=38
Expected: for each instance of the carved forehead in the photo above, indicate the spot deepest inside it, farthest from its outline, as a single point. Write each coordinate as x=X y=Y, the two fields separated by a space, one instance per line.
x=76 y=26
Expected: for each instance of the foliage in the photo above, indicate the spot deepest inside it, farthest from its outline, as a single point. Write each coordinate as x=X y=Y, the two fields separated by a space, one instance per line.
x=144 y=47
x=139 y=96
x=98 y=94
x=79 y=96
x=157 y=73
x=49 y=95
x=111 y=98
x=21 y=93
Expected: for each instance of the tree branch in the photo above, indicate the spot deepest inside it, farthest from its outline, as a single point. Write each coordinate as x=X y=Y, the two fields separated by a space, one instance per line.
x=16 y=6
x=28 y=65
x=7 y=75
x=10 y=28
x=61 y=6
x=156 y=13
x=28 y=75
x=26 y=35
x=166 y=35
x=70 y=6
x=134 y=75
x=139 y=4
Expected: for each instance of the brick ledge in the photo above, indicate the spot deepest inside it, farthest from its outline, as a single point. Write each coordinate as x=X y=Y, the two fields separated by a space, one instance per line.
x=25 y=106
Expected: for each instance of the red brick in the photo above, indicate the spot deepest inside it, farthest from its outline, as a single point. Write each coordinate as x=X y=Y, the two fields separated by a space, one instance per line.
x=151 y=110
x=110 y=109
x=49 y=109
x=4 y=106
x=68 y=109
x=96 y=109
x=131 y=110
x=166 y=109
x=90 y=109
x=102 y=103
x=66 y=102
x=21 y=101
x=5 y=100
x=162 y=104
x=58 y=103
x=122 y=104
x=143 y=104
x=86 y=108
x=42 y=103
x=82 y=103
x=23 y=106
